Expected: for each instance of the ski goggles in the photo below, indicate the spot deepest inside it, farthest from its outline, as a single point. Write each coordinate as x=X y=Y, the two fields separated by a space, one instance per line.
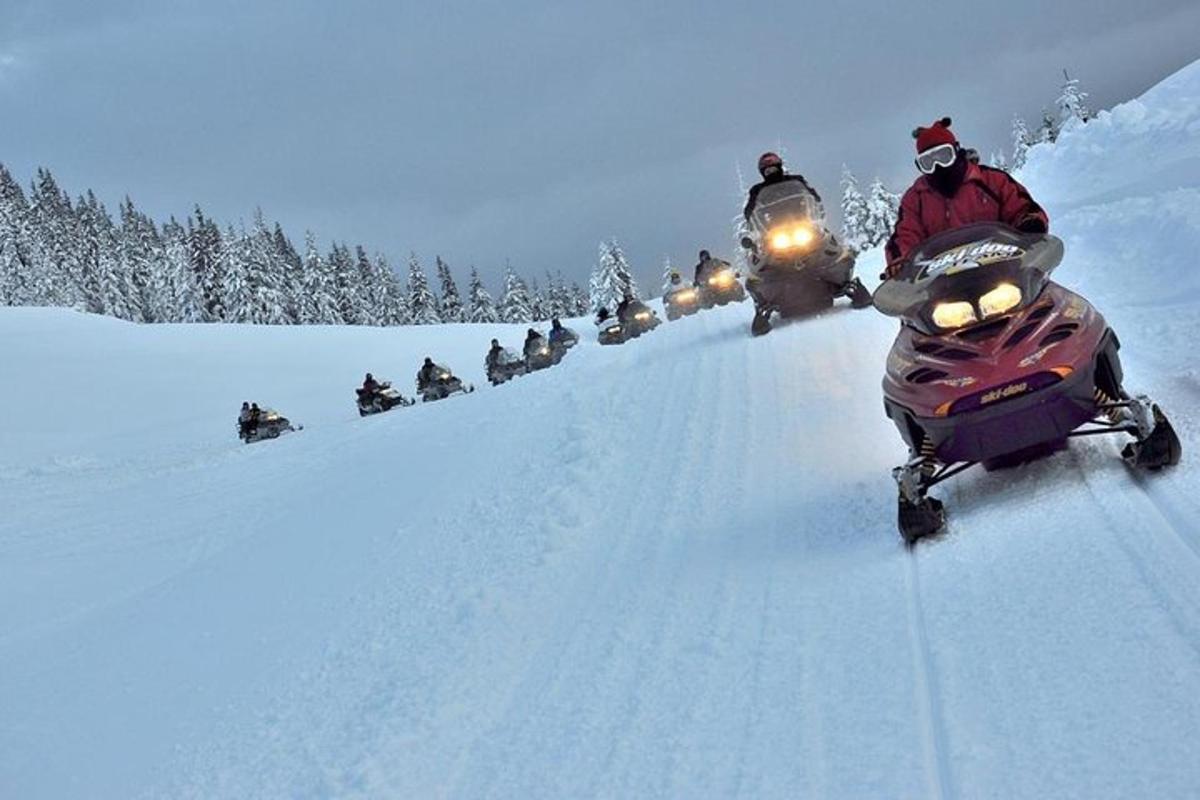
x=941 y=156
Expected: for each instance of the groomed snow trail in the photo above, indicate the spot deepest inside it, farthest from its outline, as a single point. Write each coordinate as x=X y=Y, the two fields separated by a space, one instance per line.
x=668 y=569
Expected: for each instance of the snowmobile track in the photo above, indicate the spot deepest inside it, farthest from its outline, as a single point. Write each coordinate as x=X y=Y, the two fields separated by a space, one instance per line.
x=934 y=739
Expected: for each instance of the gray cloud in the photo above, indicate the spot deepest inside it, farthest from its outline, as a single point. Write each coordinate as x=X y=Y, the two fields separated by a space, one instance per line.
x=490 y=130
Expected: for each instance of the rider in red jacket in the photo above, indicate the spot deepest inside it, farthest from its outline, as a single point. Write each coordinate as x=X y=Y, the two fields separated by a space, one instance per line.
x=953 y=192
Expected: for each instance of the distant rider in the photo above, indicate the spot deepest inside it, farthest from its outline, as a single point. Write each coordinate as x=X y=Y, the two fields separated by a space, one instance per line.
x=244 y=420
x=533 y=340
x=255 y=416
x=770 y=167
x=370 y=386
x=426 y=373
x=627 y=308
x=493 y=355
x=707 y=265
x=953 y=192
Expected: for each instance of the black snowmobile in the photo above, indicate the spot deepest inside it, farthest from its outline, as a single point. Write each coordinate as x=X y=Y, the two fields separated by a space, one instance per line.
x=719 y=284
x=681 y=301
x=269 y=424
x=561 y=340
x=384 y=398
x=632 y=320
x=440 y=384
x=538 y=354
x=504 y=367
x=798 y=265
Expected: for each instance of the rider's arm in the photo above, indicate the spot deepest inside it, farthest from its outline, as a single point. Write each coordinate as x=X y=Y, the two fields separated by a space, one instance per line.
x=908 y=233
x=1017 y=206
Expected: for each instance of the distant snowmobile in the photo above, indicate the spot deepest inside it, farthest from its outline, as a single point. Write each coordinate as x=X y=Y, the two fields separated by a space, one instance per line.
x=561 y=340
x=996 y=364
x=719 y=284
x=267 y=424
x=632 y=320
x=538 y=354
x=436 y=382
x=799 y=267
x=681 y=301
x=504 y=367
x=384 y=398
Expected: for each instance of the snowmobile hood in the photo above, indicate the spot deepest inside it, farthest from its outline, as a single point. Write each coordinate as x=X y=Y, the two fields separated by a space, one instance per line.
x=962 y=266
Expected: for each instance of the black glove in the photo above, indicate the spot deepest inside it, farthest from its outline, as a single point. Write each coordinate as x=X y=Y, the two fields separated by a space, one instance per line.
x=1032 y=224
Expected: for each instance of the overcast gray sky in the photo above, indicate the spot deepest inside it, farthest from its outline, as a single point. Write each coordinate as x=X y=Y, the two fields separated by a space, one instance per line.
x=492 y=130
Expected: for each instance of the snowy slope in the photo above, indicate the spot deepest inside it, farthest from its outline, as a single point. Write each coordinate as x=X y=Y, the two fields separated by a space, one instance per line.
x=668 y=569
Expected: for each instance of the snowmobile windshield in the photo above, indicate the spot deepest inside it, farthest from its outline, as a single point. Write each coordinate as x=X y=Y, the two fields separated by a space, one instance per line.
x=784 y=203
x=970 y=274
x=507 y=356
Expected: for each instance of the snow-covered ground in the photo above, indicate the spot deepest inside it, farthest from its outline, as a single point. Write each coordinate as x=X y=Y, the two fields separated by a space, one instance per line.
x=668 y=569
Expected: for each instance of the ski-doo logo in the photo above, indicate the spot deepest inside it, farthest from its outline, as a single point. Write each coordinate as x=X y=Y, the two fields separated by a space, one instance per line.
x=1003 y=393
x=969 y=257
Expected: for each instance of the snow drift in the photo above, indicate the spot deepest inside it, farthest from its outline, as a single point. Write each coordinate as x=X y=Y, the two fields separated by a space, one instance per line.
x=665 y=569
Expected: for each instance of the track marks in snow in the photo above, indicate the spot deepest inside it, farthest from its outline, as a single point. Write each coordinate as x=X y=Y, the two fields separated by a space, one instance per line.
x=929 y=701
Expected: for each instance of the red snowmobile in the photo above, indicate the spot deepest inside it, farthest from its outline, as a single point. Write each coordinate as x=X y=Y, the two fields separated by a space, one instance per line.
x=996 y=364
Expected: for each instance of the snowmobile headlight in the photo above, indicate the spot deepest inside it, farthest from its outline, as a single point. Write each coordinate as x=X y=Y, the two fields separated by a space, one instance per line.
x=642 y=315
x=614 y=329
x=1004 y=297
x=720 y=279
x=793 y=237
x=686 y=296
x=953 y=315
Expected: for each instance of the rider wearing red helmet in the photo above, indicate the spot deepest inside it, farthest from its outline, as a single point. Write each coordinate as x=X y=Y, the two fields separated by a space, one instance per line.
x=770 y=167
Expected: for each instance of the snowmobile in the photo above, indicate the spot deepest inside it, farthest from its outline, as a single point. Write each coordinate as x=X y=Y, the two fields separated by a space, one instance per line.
x=681 y=302
x=638 y=319
x=562 y=340
x=385 y=398
x=719 y=284
x=995 y=364
x=538 y=354
x=271 y=425
x=441 y=385
x=798 y=265
x=507 y=366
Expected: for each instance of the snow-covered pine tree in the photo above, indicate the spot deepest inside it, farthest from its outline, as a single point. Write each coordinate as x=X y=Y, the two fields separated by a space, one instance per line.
x=374 y=301
x=855 y=212
x=480 y=307
x=1072 y=104
x=185 y=302
x=95 y=255
x=580 y=301
x=292 y=279
x=422 y=304
x=1022 y=141
x=882 y=209
x=204 y=254
x=318 y=303
x=397 y=294
x=538 y=304
x=16 y=285
x=998 y=160
x=340 y=265
x=235 y=289
x=140 y=248
x=264 y=273
x=1048 y=130
x=452 y=306
x=55 y=246
x=668 y=271
x=611 y=279
x=515 y=305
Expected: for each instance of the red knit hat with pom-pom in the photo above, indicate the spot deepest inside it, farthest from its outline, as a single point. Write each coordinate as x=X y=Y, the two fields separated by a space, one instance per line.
x=937 y=133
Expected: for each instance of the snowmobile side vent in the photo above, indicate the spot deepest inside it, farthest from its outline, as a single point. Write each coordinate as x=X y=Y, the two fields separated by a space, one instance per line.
x=985 y=331
x=1058 y=333
x=1040 y=312
x=934 y=348
x=925 y=375
x=1022 y=333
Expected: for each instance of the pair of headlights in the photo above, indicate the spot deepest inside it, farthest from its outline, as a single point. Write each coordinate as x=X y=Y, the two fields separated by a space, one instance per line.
x=721 y=279
x=960 y=313
x=791 y=238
